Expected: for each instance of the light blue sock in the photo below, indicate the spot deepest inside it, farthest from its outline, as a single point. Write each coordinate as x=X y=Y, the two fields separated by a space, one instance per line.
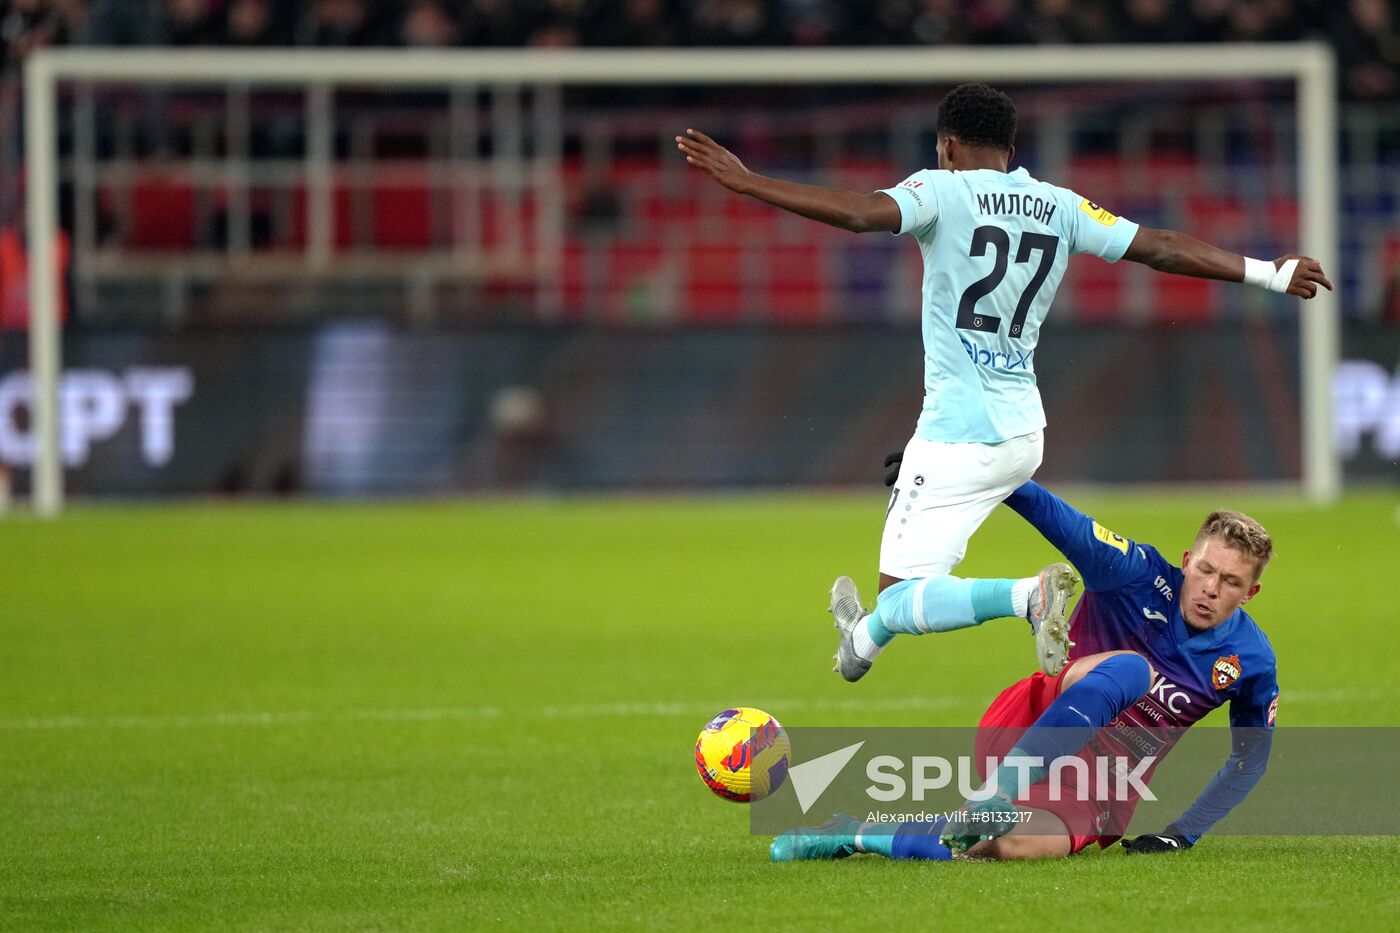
x=877 y=843
x=937 y=604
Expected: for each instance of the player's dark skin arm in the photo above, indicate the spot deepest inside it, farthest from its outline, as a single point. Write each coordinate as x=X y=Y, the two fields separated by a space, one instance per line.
x=849 y=210
x=1163 y=250
x=1170 y=251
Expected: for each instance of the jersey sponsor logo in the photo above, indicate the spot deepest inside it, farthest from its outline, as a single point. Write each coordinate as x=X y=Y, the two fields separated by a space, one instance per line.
x=1153 y=614
x=1163 y=586
x=996 y=359
x=911 y=184
x=1273 y=710
x=1112 y=539
x=1226 y=671
x=1169 y=695
x=1098 y=213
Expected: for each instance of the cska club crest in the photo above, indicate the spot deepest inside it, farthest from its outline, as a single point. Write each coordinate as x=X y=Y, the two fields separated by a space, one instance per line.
x=1225 y=672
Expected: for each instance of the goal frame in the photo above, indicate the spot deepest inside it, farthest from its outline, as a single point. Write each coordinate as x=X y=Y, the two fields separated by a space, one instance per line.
x=1311 y=65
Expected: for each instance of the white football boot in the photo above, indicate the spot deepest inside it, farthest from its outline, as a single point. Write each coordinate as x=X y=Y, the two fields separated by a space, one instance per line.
x=847 y=613
x=1048 y=605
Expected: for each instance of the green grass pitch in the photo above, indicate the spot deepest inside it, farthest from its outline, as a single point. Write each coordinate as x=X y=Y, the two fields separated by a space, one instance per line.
x=481 y=715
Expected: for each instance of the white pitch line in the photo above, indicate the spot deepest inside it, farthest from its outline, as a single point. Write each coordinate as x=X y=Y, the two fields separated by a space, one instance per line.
x=618 y=710
x=588 y=710
x=439 y=714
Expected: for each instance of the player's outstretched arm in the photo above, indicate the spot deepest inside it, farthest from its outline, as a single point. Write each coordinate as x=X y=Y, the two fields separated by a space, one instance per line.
x=849 y=210
x=1105 y=560
x=1251 y=741
x=1171 y=251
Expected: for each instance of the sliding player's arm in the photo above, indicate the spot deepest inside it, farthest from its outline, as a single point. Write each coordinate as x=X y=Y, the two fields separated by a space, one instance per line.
x=849 y=210
x=1106 y=560
x=1252 y=738
x=1171 y=251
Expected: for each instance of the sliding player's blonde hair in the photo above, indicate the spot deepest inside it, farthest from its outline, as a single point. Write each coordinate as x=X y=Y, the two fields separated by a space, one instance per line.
x=1240 y=532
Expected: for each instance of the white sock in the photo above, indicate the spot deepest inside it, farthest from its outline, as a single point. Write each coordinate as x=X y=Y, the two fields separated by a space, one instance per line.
x=1021 y=592
x=860 y=639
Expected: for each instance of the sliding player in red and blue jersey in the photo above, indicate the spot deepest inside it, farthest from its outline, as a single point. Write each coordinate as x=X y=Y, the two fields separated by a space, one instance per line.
x=1157 y=647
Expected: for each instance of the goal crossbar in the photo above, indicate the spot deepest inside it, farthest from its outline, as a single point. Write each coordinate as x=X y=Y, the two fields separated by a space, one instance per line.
x=1310 y=65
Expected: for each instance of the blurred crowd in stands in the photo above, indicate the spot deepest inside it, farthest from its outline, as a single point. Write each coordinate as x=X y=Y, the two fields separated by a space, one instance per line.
x=1366 y=33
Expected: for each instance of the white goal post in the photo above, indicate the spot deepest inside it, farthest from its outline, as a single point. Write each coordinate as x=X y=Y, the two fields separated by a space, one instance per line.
x=1311 y=65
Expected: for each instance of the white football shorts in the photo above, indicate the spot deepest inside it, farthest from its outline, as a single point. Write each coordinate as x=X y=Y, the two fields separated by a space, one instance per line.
x=944 y=493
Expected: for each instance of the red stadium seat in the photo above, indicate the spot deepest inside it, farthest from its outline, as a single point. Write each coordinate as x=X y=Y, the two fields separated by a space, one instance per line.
x=713 y=280
x=1095 y=292
x=1180 y=299
x=754 y=217
x=402 y=216
x=797 y=284
x=575 y=271
x=1098 y=178
x=868 y=174
x=1218 y=218
x=661 y=212
x=1283 y=219
x=162 y=213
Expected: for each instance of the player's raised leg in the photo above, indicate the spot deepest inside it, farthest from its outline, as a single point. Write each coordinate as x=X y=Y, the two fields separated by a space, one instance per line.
x=942 y=494
x=947 y=603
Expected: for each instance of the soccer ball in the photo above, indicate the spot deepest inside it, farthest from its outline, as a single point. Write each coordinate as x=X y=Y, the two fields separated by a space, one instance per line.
x=742 y=754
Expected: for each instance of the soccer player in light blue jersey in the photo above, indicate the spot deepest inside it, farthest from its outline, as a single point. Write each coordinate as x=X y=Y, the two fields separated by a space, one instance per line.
x=996 y=244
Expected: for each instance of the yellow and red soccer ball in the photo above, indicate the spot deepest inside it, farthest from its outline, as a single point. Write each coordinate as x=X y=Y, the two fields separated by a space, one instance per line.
x=742 y=754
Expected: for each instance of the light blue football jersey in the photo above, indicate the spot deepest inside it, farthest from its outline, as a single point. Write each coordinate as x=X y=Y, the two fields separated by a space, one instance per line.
x=995 y=247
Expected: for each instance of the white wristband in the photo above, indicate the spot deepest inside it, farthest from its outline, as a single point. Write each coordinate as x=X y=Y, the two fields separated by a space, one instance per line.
x=1261 y=272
